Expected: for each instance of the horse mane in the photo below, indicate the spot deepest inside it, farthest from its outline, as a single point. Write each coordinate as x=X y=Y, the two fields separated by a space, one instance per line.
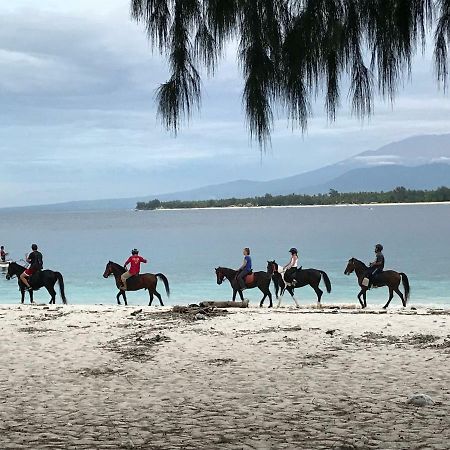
x=358 y=261
x=118 y=266
x=226 y=269
x=17 y=264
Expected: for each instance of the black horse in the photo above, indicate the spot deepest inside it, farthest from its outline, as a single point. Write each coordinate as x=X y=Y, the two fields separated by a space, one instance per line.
x=42 y=278
x=261 y=280
x=302 y=277
x=143 y=281
x=389 y=278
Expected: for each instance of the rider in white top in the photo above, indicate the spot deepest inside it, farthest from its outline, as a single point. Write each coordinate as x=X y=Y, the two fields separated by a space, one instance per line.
x=291 y=267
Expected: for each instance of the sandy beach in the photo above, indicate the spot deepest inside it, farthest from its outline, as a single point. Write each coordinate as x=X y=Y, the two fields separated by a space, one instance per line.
x=109 y=377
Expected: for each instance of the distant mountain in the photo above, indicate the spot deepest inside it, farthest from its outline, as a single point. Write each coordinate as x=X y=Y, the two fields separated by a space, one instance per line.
x=416 y=151
x=418 y=162
x=386 y=178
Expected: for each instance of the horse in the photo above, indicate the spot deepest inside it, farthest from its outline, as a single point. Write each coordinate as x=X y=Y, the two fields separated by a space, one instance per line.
x=389 y=278
x=255 y=279
x=302 y=278
x=42 y=278
x=143 y=281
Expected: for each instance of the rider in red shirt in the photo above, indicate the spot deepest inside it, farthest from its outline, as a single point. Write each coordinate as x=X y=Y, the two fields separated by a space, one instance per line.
x=135 y=266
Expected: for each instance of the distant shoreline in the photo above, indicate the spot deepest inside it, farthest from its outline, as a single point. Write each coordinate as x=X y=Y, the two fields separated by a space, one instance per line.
x=298 y=206
x=399 y=195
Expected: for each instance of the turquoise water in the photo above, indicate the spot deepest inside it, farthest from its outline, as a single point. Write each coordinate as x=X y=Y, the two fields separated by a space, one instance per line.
x=187 y=245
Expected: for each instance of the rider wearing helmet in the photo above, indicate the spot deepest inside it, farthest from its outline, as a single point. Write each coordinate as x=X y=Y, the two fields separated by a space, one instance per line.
x=291 y=267
x=35 y=260
x=376 y=266
x=135 y=266
x=245 y=269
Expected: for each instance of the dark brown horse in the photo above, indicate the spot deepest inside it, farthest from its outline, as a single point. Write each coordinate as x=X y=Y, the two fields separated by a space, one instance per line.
x=143 y=281
x=256 y=279
x=302 y=277
x=389 y=278
x=42 y=278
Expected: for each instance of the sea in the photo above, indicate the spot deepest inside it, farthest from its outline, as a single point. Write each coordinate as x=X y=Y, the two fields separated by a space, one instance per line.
x=187 y=245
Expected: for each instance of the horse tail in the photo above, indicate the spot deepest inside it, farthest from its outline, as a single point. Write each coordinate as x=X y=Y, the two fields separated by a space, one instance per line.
x=406 y=287
x=326 y=280
x=61 y=286
x=165 y=281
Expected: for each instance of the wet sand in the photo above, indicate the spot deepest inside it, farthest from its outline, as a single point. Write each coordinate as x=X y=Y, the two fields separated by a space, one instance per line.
x=104 y=377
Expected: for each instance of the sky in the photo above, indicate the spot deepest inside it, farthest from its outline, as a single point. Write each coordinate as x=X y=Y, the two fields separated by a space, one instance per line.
x=78 y=114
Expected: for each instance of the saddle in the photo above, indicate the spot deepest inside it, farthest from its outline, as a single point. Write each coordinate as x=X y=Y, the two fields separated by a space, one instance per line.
x=375 y=281
x=250 y=279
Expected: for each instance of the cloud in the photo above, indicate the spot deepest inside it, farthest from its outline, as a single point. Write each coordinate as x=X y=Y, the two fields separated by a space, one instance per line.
x=77 y=84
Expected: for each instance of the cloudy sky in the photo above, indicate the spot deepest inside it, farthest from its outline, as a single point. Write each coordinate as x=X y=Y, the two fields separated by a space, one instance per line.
x=78 y=118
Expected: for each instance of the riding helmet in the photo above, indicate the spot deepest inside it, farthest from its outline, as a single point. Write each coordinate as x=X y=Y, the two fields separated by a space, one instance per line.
x=135 y=251
x=293 y=250
x=378 y=248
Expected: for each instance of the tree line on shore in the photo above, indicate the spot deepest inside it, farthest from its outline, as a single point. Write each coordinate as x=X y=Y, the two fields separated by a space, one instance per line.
x=333 y=197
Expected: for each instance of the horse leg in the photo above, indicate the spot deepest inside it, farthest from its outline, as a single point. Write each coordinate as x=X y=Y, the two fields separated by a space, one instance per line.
x=262 y=301
x=365 y=298
x=124 y=298
x=319 y=294
x=399 y=293
x=52 y=292
x=234 y=294
x=117 y=297
x=290 y=289
x=159 y=298
x=270 y=298
x=22 y=293
x=279 y=298
x=359 y=298
x=150 y=293
x=391 y=295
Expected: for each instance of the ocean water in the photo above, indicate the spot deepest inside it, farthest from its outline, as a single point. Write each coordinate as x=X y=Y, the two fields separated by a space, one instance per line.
x=186 y=245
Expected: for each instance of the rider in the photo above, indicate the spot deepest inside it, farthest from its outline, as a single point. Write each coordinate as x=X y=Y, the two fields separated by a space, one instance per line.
x=245 y=269
x=291 y=267
x=35 y=260
x=135 y=266
x=376 y=266
x=3 y=254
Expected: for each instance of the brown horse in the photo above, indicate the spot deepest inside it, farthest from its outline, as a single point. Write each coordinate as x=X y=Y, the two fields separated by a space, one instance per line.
x=389 y=278
x=144 y=281
x=301 y=277
x=256 y=279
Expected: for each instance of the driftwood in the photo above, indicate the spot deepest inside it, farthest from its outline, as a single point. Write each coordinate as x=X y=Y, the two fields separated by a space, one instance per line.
x=230 y=304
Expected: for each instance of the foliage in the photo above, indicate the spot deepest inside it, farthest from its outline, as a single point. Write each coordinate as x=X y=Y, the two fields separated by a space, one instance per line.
x=292 y=50
x=398 y=195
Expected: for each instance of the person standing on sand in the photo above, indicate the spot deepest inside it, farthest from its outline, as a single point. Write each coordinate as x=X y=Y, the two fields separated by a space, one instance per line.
x=3 y=254
x=290 y=268
x=36 y=263
x=135 y=267
x=245 y=269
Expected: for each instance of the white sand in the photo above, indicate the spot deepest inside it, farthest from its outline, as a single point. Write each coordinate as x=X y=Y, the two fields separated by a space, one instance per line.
x=255 y=378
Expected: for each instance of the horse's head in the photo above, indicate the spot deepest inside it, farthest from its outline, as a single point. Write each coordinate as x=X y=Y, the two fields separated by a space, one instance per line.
x=14 y=269
x=9 y=274
x=108 y=270
x=350 y=266
x=272 y=267
x=219 y=275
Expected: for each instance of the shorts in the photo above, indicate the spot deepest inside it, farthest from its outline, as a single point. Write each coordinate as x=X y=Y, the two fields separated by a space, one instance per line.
x=30 y=271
